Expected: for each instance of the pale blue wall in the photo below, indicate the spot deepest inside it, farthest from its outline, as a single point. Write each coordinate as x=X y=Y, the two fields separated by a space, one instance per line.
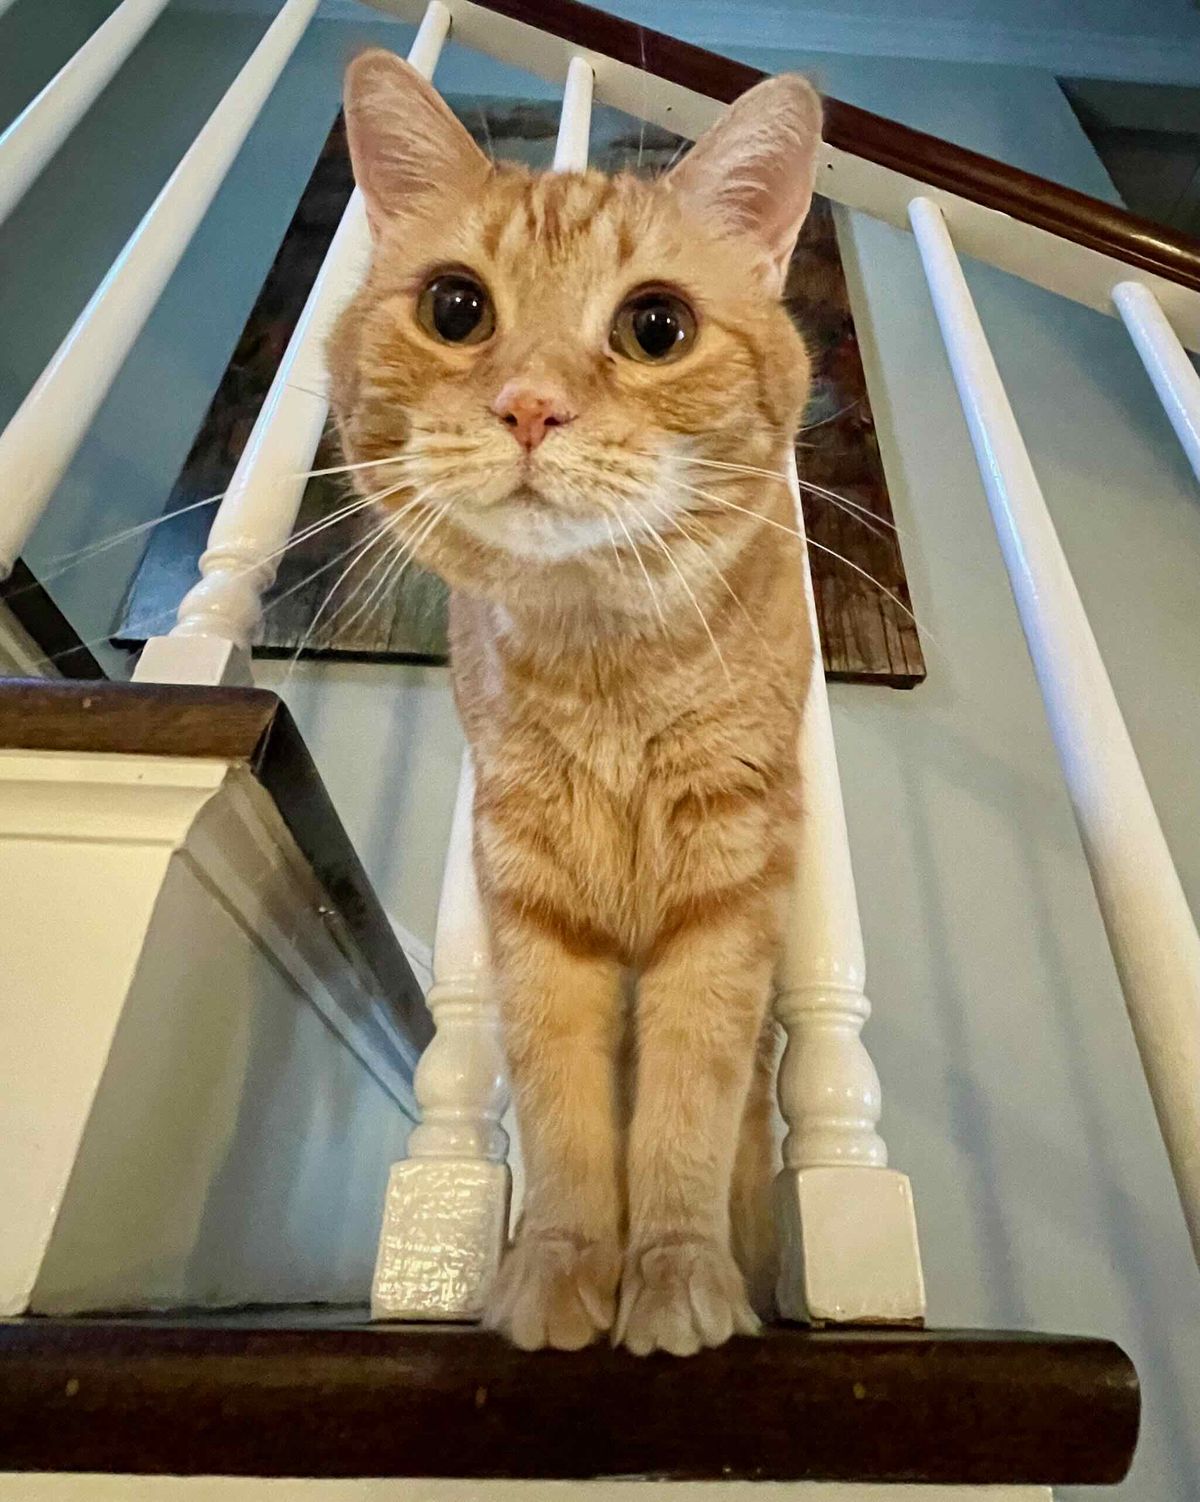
x=1012 y=1092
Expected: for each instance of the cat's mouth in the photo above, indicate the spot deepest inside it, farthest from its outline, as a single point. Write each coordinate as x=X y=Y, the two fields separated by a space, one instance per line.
x=527 y=494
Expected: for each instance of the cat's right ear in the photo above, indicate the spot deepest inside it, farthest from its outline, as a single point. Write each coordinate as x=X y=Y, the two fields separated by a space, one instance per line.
x=404 y=140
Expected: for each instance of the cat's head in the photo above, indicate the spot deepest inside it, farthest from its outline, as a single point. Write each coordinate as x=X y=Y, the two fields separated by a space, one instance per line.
x=551 y=356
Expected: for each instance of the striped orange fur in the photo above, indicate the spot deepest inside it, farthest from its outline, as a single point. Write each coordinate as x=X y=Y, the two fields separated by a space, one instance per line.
x=630 y=657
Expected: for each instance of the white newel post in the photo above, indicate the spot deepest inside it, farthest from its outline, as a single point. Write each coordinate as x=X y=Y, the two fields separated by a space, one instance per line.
x=219 y=616
x=446 y=1217
x=848 y=1235
x=1150 y=929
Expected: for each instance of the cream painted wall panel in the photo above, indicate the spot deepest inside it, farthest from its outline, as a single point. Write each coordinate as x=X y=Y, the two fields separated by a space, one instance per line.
x=246 y=1156
x=65 y=968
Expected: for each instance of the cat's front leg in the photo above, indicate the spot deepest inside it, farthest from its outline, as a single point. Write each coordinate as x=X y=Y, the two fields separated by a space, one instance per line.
x=562 y=1015
x=700 y=1011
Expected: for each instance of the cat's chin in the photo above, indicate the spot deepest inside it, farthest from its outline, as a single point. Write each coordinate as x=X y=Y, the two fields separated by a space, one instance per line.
x=529 y=525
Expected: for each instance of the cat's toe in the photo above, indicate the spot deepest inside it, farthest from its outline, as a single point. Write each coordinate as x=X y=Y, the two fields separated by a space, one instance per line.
x=555 y=1291
x=679 y=1296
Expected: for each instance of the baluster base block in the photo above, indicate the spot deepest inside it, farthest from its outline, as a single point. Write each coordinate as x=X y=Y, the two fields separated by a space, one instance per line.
x=445 y=1225
x=848 y=1247
x=208 y=660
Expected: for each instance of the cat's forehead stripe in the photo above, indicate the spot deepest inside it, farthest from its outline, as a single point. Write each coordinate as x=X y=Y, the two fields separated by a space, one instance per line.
x=557 y=212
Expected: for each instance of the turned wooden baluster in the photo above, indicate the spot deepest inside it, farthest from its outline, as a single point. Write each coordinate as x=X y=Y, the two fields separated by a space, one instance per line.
x=447 y=1208
x=220 y=615
x=846 y=1223
x=446 y=1216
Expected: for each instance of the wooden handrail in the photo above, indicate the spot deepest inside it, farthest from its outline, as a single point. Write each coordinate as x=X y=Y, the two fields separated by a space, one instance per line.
x=982 y=179
x=306 y=1394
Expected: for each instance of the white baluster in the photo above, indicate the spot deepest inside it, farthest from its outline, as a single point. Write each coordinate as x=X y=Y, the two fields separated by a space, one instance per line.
x=44 y=435
x=575 y=121
x=46 y=122
x=446 y=1217
x=1173 y=374
x=219 y=617
x=846 y=1221
x=1150 y=930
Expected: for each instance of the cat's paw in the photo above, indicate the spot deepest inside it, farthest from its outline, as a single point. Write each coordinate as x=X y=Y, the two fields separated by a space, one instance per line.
x=678 y=1296
x=555 y=1291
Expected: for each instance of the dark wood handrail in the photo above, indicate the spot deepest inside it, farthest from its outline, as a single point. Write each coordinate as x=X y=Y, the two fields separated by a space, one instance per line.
x=1024 y=196
x=299 y=1394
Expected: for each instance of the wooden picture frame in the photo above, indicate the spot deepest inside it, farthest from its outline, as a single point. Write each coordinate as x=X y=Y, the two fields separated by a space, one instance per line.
x=320 y=609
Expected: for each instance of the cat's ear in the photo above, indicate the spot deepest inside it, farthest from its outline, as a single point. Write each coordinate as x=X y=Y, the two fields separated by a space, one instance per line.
x=753 y=171
x=404 y=140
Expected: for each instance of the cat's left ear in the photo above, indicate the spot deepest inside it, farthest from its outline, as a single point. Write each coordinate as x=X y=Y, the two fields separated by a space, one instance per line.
x=405 y=142
x=753 y=171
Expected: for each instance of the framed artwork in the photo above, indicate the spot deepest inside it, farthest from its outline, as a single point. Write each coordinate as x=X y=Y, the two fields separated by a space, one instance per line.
x=861 y=592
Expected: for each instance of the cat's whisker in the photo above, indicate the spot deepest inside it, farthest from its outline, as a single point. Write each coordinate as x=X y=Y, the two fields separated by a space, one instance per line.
x=402 y=552
x=662 y=544
x=808 y=427
x=163 y=619
x=343 y=469
x=612 y=538
x=79 y=555
x=63 y=563
x=775 y=474
x=620 y=520
x=862 y=514
x=376 y=576
x=702 y=544
x=392 y=518
x=812 y=543
x=359 y=553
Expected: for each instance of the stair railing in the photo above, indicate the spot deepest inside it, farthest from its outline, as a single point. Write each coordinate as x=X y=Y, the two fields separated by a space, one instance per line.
x=847 y=1220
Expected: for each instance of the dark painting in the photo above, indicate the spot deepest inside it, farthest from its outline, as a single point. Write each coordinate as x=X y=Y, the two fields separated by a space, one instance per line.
x=325 y=603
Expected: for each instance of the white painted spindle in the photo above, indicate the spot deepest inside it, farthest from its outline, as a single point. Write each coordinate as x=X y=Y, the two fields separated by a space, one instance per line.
x=446 y=1217
x=44 y=435
x=218 y=618
x=1173 y=374
x=846 y=1221
x=1150 y=930
x=575 y=121
x=46 y=122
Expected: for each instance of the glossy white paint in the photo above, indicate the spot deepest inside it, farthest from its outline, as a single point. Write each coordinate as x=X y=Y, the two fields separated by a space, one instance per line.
x=846 y=1222
x=169 y=959
x=1150 y=929
x=61 y=1488
x=47 y=429
x=575 y=122
x=446 y=1218
x=1173 y=374
x=45 y=123
x=1073 y=271
x=218 y=617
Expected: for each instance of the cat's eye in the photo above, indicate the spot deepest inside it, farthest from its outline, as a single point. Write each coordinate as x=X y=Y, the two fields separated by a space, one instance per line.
x=653 y=326
x=455 y=309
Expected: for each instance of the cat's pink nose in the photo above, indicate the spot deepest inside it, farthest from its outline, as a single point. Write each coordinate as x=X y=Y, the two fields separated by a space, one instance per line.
x=530 y=411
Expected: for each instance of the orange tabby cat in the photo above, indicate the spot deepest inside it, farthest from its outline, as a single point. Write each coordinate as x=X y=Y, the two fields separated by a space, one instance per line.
x=564 y=364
